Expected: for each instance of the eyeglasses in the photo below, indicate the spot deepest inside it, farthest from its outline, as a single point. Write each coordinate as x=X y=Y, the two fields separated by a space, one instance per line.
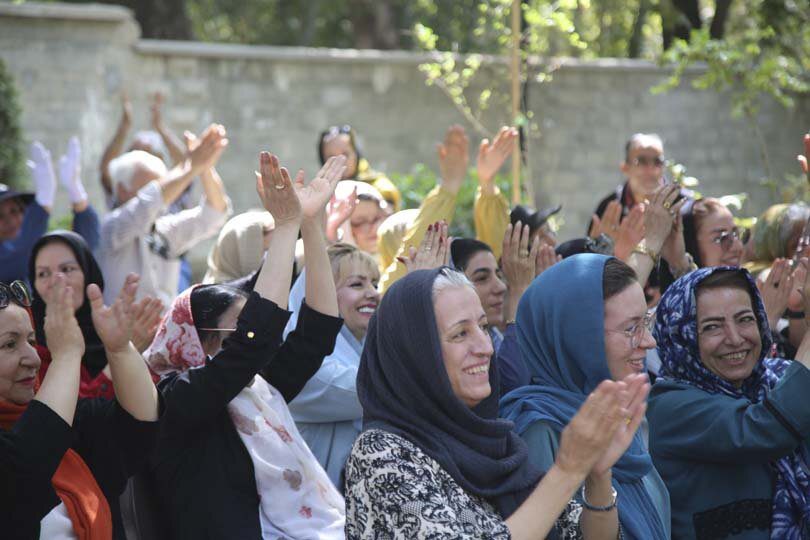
x=218 y=329
x=16 y=292
x=726 y=238
x=636 y=332
x=367 y=223
x=644 y=161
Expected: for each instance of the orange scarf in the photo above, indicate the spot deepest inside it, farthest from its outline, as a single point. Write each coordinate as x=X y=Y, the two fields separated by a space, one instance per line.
x=75 y=485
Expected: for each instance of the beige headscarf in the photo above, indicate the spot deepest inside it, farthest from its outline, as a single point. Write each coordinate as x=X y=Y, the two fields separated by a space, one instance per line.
x=391 y=233
x=239 y=248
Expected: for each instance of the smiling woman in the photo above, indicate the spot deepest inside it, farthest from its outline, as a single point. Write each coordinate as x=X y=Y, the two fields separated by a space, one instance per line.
x=727 y=425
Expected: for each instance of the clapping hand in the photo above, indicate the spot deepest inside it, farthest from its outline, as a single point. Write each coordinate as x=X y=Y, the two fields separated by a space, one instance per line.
x=207 y=149
x=338 y=212
x=660 y=214
x=491 y=156
x=804 y=157
x=776 y=289
x=62 y=332
x=433 y=252
x=631 y=232
x=147 y=315
x=518 y=261
x=453 y=158
x=314 y=195
x=114 y=324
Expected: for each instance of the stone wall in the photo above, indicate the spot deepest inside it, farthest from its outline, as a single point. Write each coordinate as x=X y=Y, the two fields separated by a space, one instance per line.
x=72 y=61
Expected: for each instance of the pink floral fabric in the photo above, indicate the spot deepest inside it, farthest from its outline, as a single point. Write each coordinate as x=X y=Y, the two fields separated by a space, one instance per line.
x=176 y=346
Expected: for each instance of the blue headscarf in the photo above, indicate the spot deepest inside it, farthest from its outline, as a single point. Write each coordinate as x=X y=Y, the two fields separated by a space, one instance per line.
x=676 y=334
x=561 y=334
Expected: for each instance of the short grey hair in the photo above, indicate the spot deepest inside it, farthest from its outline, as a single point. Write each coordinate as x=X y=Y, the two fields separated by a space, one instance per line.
x=122 y=169
x=449 y=279
x=642 y=140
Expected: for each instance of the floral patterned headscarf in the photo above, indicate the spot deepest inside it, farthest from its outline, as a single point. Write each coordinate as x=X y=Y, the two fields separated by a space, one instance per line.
x=177 y=345
x=677 y=337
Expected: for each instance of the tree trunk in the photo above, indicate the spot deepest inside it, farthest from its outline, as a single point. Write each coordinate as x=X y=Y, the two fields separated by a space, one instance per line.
x=718 y=27
x=634 y=45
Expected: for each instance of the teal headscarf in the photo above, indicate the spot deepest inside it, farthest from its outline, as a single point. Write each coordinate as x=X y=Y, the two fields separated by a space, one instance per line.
x=561 y=334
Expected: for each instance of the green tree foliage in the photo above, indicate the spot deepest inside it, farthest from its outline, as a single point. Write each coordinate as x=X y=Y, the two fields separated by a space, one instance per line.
x=11 y=155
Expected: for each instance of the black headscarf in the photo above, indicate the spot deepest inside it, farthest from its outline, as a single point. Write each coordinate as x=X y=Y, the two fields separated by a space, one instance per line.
x=404 y=389
x=690 y=232
x=94 y=358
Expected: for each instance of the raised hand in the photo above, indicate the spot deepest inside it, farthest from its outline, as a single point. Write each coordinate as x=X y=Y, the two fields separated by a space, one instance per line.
x=660 y=214
x=491 y=156
x=126 y=110
x=609 y=223
x=433 y=252
x=209 y=148
x=70 y=168
x=338 y=211
x=518 y=262
x=146 y=316
x=157 y=118
x=634 y=402
x=546 y=258
x=314 y=195
x=631 y=232
x=62 y=332
x=114 y=324
x=776 y=289
x=41 y=168
x=275 y=189
x=453 y=158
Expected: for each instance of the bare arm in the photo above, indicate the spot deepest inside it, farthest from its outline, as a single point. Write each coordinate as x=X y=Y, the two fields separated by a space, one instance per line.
x=60 y=388
x=177 y=152
x=134 y=388
x=116 y=146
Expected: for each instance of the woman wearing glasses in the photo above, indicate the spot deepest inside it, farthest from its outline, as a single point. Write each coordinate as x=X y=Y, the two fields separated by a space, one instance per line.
x=728 y=426
x=62 y=458
x=584 y=321
x=710 y=235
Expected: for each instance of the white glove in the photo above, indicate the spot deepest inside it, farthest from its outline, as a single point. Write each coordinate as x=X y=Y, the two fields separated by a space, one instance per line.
x=70 y=168
x=42 y=172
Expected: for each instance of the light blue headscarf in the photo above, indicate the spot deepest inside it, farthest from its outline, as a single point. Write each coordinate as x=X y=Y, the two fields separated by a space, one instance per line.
x=561 y=334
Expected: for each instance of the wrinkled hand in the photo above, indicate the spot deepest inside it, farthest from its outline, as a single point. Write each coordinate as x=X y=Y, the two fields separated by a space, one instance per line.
x=660 y=214
x=776 y=289
x=338 y=211
x=674 y=248
x=805 y=288
x=433 y=252
x=631 y=232
x=453 y=158
x=491 y=156
x=114 y=324
x=609 y=223
x=146 y=316
x=546 y=258
x=795 y=300
x=518 y=262
x=314 y=196
x=635 y=403
x=275 y=189
x=62 y=332
x=208 y=149
x=803 y=158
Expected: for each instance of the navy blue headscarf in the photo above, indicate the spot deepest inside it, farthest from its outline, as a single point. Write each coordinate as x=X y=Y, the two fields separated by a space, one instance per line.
x=561 y=334
x=404 y=389
x=676 y=334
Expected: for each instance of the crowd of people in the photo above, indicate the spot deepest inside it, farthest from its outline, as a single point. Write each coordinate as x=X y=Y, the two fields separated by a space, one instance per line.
x=346 y=369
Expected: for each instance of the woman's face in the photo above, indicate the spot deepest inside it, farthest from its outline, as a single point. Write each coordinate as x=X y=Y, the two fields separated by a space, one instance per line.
x=19 y=362
x=57 y=258
x=715 y=250
x=341 y=145
x=365 y=221
x=623 y=312
x=358 y=298
x=728 y=334
x=213 y=345
x=482 y=270
x=466 y=346
x=12 y=212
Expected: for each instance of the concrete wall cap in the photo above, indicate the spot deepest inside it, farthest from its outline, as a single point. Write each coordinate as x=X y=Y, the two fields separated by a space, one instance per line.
x=84 y=12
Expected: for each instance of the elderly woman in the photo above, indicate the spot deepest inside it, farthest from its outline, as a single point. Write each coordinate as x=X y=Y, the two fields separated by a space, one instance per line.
x=240 y=247
x=228 y=442
x=776 y=235
x=710 y=234
x=327 y=411
x=434 y=460
x=63 y=459
x=581 y=322
x=66 y=253
x=728 y=427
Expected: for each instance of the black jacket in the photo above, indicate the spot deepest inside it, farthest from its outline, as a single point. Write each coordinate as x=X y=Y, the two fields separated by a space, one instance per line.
x=112 y=443
x=202 y=472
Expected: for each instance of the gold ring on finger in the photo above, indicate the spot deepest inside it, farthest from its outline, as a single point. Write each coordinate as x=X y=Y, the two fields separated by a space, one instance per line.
x=628 y=420
x=282 y=186
x=524 y=253
x=667 y=204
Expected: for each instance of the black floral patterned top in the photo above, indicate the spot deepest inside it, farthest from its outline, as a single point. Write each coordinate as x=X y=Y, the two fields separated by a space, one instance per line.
x=395 y=490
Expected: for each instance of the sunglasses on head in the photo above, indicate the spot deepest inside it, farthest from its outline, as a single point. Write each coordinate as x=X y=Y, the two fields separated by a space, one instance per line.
x=334 y=131
x=16 y=292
